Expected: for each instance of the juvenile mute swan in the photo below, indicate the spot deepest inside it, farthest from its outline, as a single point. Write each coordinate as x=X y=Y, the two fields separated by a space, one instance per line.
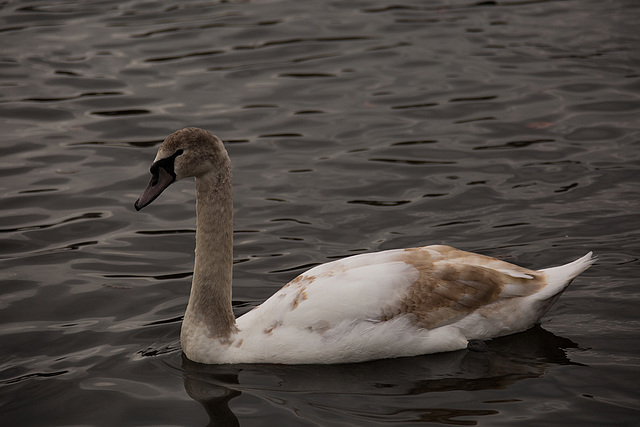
x=401 y=302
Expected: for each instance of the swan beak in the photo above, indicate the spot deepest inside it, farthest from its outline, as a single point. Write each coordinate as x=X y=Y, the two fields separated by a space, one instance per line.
x=160 y=180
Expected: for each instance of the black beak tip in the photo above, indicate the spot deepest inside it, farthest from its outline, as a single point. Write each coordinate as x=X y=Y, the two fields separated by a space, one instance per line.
x=137 y=206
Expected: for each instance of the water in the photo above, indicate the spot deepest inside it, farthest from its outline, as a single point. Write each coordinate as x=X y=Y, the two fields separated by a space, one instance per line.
x=508 y=128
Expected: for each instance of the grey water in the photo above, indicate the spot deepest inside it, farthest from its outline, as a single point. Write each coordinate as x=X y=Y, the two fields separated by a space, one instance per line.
x=509 y=128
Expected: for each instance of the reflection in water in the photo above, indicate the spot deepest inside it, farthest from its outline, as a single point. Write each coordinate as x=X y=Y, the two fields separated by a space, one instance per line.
x=374 y=391
x=215 y=398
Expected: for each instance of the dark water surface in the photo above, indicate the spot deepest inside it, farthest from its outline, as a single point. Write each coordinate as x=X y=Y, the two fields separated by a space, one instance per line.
x=508 y=128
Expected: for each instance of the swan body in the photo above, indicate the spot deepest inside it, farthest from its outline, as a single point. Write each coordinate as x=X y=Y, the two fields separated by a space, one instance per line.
x=401 y=302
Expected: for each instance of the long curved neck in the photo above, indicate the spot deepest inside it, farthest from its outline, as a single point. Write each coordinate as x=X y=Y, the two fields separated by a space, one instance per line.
x=210 y=299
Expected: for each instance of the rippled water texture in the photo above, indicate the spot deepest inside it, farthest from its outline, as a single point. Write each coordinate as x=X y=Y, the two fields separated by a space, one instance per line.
x=507 y=128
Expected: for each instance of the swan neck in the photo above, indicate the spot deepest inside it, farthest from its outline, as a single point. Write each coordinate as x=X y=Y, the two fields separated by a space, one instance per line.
x=210 y=303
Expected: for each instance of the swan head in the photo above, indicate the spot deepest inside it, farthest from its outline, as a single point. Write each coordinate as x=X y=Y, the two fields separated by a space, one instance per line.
x=185 y=153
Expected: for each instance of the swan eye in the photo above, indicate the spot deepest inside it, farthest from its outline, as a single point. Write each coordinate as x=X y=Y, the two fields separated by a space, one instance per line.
x=167 y=164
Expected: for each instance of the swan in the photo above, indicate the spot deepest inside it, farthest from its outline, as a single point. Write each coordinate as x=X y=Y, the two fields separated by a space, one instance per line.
x=394 y=303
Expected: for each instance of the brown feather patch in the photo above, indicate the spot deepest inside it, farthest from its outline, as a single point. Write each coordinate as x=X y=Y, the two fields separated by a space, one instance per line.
x=453 y=283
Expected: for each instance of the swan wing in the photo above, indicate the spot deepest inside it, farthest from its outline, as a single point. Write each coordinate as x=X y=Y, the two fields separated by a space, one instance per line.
x=433 y=285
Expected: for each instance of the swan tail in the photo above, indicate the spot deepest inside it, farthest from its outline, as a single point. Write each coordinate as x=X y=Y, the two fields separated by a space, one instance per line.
x=558 y=278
